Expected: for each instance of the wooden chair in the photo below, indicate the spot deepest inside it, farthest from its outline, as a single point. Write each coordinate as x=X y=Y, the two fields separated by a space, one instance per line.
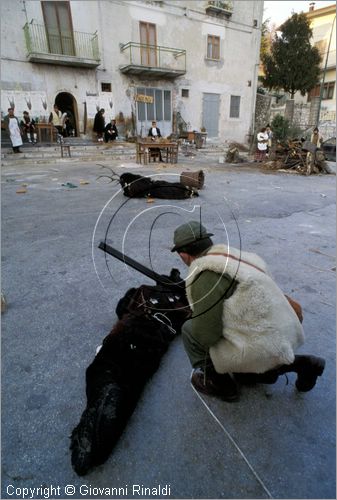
x=141 y=153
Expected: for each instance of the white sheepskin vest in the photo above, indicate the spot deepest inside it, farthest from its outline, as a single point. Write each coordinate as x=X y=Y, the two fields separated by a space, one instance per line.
x=260 y=328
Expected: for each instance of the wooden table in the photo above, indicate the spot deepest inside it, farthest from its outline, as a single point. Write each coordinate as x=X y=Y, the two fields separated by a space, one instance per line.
x=48 y=129
x=147 y=150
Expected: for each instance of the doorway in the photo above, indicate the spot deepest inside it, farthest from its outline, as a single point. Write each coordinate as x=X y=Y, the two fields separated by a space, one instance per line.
x=210 y=114
x=148 y=43
x=67 y=104
x=158 y=108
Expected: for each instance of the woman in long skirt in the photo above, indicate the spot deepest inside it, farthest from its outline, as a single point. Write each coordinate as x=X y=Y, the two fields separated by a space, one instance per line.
x=262 y=145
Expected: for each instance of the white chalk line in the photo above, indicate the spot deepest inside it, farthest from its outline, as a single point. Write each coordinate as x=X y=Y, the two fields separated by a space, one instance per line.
x=234 y=444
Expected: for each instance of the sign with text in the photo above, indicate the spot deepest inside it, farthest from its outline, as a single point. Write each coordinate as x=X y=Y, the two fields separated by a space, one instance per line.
x=144 y=98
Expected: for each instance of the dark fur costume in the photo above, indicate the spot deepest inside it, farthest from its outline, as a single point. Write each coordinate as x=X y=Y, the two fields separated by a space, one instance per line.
x=138 y=186
x=129 y=356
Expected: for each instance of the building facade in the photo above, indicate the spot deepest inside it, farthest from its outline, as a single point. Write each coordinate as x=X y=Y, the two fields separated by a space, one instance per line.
x=188 y=65
x=323 y=24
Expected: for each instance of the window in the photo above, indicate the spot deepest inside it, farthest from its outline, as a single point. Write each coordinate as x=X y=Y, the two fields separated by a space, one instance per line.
x=59 y=29
x=235 y=106
x=159 y=104
x=328 y=91
x=160 y=107
x=106 y=87
x=150 y=105
x=213 y=47
x=184 y=92
x=167 y=105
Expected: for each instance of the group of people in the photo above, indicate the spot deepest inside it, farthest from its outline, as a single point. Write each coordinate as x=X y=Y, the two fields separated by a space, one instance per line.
x=17 y=129
x=265 y=137
x=27 y=126
x=109 y=132
x=105 y=132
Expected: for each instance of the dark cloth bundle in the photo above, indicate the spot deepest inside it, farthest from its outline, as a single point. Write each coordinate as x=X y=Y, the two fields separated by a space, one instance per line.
x=137 y=186
x=149 y=318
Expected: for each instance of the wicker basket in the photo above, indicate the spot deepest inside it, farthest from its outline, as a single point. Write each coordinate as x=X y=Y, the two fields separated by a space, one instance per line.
x=193 y=179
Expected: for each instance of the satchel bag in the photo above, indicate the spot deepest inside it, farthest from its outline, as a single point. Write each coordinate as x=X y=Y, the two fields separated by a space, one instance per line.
x=166 y=304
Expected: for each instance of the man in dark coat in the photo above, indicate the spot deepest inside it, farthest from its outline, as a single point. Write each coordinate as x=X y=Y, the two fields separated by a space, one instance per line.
x=154 y=132
x=99 y=124
x=110 y=131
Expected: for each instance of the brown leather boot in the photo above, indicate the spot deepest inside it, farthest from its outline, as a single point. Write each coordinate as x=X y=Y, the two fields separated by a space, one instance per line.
x=211 y=383
x=308 y=368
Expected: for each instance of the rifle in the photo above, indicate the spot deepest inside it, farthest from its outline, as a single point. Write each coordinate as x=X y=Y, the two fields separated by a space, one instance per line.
x=158 y=278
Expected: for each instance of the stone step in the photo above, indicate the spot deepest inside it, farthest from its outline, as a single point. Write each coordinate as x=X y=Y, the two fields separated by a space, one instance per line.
x=89 y=152
x=21 y=160
x=57 y=154
x=76 y=149
x=79 y=152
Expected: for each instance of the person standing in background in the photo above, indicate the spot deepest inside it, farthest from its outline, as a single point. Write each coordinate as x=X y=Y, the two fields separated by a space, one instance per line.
x=316 y=138
x=270 y=139
x=55 y=118
x=262 y=144
x=99 y=124
x=13 y=129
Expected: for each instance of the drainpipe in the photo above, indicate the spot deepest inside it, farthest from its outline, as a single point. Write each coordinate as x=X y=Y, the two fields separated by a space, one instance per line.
x=256 y=66
x=323 y=79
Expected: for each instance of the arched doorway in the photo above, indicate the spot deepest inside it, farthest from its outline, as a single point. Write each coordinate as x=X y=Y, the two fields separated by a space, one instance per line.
x=67 y=104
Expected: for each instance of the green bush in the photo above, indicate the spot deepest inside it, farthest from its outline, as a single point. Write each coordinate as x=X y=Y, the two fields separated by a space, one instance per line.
x=280 y=127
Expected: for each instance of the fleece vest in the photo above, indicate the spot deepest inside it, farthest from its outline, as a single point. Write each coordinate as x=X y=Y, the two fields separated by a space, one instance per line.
x=57 y=118
x=260 y=328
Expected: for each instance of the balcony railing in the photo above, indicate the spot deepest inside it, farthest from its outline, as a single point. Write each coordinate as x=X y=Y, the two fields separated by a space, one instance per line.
x=219 y=8
x=153 y=60
x=72 y=48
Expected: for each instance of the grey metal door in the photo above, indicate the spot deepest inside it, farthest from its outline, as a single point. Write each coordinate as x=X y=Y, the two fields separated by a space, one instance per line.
x=210 y=114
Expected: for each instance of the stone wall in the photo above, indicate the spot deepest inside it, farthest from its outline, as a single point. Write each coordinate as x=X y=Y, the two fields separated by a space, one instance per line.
x=304 y=115
x=262 y=110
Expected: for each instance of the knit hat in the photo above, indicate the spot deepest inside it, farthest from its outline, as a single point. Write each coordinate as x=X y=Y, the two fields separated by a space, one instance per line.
x=189 y=233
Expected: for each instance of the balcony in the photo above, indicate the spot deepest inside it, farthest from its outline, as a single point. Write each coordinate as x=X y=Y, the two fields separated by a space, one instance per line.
x=219 y=8
x=152 y=61
x=67 y=48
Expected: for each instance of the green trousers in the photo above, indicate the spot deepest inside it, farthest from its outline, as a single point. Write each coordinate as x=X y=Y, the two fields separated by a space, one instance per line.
x=197 y=353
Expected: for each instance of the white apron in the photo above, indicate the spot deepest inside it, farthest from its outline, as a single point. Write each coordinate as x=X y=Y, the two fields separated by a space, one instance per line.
x=14 y=132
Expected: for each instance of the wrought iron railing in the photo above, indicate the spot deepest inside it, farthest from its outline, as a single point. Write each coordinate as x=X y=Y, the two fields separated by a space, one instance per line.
x=73 y=43
x=155 y=56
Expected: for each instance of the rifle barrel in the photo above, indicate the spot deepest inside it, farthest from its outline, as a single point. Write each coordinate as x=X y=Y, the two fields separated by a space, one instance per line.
x=135 y=265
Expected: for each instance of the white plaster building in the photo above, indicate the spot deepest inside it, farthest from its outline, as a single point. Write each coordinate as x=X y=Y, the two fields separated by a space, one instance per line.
x=323 y=24
x=194 y=61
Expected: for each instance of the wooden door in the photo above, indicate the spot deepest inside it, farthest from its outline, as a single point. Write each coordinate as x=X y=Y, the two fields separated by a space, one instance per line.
x=58 y=24
x=148 y=40
x=210 y=114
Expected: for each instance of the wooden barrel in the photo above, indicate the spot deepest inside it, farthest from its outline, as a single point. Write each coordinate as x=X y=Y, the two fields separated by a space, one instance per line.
x=193 y=179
